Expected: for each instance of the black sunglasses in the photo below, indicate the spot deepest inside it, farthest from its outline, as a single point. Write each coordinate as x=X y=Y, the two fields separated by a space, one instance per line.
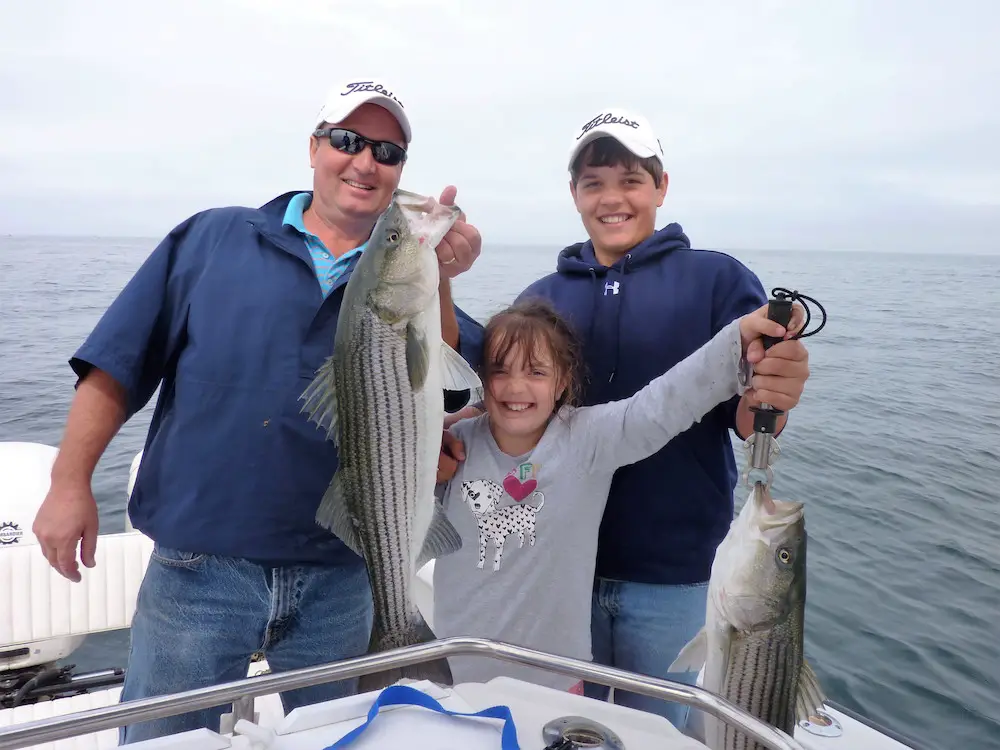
x=350 y=142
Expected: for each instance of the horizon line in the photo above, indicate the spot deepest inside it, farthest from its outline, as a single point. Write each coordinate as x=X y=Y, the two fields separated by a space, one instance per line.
x=538 y=244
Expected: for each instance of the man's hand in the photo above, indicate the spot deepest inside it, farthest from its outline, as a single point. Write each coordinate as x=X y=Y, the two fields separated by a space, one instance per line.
x=68 y=517
x=452 y=451
x=459 y=249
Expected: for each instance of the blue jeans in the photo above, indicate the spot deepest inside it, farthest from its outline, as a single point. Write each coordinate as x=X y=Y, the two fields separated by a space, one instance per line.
x=199 y=619
x=642 y=627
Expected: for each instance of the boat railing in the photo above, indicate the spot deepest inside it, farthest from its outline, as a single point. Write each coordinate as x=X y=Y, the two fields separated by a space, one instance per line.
x=241 y=693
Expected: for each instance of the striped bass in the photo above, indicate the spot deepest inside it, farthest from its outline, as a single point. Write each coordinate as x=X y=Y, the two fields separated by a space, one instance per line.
x=751 y=646
x=380 y=397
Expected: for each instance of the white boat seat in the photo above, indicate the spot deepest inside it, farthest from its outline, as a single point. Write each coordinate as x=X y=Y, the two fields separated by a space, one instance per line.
x=37 y=603
x=48 y=709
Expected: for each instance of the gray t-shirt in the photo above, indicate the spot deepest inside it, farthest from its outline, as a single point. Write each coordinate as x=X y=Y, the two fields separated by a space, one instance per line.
x=529 y=524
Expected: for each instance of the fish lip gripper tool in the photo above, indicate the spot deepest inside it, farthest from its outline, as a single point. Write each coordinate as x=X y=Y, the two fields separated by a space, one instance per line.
x=761 y=448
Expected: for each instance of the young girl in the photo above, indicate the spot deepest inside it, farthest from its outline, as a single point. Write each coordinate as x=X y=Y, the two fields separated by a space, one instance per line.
x=529 y=496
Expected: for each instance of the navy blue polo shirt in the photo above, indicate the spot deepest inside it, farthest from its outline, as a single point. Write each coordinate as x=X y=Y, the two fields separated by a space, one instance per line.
x=227 y=317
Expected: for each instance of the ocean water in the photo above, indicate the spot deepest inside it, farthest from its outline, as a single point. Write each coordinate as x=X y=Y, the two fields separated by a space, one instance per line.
x=895 y=448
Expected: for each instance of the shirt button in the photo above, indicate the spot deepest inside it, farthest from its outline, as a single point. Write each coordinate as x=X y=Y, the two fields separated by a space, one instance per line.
x=326 y=256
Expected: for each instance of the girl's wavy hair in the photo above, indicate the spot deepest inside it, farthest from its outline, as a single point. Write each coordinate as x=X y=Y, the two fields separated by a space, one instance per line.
x=525 y=325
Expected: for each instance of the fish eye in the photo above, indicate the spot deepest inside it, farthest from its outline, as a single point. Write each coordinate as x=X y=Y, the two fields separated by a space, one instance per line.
x=393 y=236
x=784 y=556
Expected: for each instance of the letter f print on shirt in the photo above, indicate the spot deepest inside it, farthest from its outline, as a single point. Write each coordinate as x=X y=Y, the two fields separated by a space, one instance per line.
x=496 y=523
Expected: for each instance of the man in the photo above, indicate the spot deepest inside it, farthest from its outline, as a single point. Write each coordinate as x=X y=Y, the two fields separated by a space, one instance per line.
x=641 y=300
x=232 y=314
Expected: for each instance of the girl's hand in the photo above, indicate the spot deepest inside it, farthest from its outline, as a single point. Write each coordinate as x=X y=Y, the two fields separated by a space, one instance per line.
x=756 y=324
x=779 y=375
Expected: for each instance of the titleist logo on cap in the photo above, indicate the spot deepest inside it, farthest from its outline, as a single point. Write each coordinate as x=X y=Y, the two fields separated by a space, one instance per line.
x=606 y=119
x=363 y=86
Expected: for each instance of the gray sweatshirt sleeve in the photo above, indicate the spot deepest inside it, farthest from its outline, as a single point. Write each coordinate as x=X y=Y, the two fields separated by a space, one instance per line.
x=623 y=432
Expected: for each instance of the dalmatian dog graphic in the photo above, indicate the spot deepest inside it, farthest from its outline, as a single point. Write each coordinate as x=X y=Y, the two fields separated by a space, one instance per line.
x=497 y=523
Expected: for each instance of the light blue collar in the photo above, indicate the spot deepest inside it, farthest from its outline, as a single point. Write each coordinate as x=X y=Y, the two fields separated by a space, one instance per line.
x=296 y=207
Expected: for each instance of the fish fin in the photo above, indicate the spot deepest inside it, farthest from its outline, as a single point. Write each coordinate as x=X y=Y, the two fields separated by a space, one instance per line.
x=456 y=374
x=692 y=657
x=334 y=516
x=436 y=671
x=442 y=538
x=321 y=400
x=811 y=696
x=417 y=360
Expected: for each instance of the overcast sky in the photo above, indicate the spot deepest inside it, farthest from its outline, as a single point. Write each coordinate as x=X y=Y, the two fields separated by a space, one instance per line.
x=839 y=124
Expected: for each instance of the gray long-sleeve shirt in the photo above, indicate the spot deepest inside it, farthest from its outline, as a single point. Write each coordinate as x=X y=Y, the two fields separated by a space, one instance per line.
x=529 y=524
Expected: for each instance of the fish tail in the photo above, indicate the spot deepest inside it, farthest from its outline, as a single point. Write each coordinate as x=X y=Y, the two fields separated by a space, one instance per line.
x=436 y=671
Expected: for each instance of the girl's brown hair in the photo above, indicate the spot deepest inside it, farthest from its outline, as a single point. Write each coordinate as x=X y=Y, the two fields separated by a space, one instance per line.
x=527 y=325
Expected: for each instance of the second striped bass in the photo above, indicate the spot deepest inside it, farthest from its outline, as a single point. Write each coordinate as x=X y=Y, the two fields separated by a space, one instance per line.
x=752 y=643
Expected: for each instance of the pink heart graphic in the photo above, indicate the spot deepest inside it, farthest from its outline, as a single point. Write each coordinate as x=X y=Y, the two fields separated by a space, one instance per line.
x=517 y=489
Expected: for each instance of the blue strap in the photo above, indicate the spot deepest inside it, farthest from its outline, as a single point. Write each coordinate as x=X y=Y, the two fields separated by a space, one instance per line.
x=403 y=695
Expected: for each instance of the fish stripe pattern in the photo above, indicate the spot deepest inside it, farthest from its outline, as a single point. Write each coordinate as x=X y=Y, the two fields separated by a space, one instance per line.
x=389 y=407
x=763 y=677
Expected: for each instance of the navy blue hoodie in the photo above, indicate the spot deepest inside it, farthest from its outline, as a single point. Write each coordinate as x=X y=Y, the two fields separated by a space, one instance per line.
x=637 y=319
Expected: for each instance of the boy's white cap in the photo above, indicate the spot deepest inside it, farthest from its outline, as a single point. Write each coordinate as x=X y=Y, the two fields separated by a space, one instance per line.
x=631 y=130
x=345 y=97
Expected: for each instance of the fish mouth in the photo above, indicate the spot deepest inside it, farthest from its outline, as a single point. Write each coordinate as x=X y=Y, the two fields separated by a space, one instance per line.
x=771 y=513
x=429 y=220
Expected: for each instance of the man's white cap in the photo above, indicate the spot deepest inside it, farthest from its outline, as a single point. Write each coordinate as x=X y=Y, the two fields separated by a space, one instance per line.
x=345 y=97
x=631 y=130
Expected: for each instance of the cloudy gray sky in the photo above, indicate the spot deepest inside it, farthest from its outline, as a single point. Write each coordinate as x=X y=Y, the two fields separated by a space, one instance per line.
x=841 y=124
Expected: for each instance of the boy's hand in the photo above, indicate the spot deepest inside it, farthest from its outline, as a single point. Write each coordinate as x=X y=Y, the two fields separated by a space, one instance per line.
x=781 y=372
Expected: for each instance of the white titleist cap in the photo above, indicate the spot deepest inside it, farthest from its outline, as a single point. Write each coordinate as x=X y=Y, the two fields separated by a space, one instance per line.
x=631 y=130
x=346 y=97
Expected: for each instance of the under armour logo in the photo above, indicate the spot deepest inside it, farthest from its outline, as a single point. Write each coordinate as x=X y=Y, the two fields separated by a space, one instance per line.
x=611 y=286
